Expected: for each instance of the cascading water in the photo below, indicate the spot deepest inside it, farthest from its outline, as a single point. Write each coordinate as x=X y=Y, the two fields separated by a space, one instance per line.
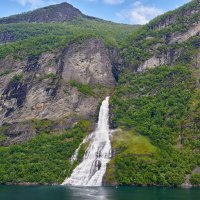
x=90 y=172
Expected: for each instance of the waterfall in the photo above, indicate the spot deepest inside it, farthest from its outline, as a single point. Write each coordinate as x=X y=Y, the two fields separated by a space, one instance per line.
x=91 y=170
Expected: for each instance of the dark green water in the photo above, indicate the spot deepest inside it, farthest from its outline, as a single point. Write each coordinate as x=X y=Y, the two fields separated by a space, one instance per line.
x=101 y=193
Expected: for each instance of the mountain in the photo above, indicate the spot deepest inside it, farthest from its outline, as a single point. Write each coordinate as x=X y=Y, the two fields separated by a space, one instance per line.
x=55 y=13
x=54 y=76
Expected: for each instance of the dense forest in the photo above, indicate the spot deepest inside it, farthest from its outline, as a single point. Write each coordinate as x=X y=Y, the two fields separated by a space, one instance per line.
x=160 y=104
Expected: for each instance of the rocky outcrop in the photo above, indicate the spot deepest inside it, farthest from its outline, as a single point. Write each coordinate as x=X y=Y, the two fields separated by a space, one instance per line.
x=55 y=13
x=9 y=67
x=182 y=13
x=182 y=37
x=171 y=19
x=44 y=90
x=158 y=60
x=88 y=63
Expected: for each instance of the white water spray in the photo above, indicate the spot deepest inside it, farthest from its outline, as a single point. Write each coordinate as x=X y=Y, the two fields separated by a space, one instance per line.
x=93 y=167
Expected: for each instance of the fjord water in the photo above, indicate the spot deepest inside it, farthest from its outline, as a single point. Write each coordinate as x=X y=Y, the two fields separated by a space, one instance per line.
x=96 y=193
x=91 y=170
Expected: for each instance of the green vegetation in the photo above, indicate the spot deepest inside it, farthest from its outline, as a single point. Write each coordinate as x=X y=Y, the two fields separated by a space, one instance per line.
x=3 y=129
x=153 y=104
x=82 y=88
x=16 y=79
x=44 y=159
x=195 y=179
x=36 y=38
x=128 y=142
x=51 y=76
x=164 y=169
x=42 y=126
x=2 y=138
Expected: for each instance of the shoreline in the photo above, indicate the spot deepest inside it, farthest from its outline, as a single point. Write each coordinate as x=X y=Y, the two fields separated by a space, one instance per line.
x=29 y=184
x=57 y=184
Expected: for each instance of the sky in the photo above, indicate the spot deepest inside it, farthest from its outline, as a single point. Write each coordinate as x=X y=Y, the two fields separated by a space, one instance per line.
x=122 y=11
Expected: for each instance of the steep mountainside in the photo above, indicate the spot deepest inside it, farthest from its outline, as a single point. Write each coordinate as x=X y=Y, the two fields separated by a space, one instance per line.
x=53 y=77
x=42 y=87
x=160 y=101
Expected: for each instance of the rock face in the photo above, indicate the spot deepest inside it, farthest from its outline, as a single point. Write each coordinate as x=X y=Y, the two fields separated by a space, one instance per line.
x=43 y=90
x=80 y=63
x=55 y=13
x=181 y=37
x=179 y=15
x=164 y=59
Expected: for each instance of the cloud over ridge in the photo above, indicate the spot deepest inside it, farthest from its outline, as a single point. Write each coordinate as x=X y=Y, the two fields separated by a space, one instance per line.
x=139 y=13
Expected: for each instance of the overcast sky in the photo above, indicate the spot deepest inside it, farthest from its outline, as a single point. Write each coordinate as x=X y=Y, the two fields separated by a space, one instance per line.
x=124 y=11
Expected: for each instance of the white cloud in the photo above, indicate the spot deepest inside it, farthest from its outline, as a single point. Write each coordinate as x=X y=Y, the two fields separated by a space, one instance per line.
x=137 y=3
x=139 y=14
x=31 y=2
x=36 y=3
x=113 y=2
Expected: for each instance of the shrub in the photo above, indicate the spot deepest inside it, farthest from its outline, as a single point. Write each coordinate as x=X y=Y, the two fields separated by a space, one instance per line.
x=16 y=79
x=83 y=88
x=195 y=179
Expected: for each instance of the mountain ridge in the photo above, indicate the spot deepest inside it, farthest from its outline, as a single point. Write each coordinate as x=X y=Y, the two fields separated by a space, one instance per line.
x=53 y=13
